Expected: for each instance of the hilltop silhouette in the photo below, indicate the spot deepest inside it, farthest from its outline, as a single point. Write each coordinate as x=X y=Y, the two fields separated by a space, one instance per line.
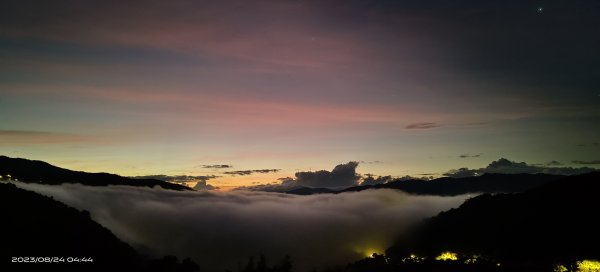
x=41 y=172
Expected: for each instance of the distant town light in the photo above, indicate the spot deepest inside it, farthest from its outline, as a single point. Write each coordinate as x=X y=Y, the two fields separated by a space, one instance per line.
x=447 y=256
x=588 y=266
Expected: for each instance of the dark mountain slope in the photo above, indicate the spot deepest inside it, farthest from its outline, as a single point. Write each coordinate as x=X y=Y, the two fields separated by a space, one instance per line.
x=310 y=191
x=36 y=229
x=37 y=226
x=45 y=173
x=533 y=230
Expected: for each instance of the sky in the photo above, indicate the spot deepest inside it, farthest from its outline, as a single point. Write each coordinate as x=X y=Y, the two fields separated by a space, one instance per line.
x=402 y=87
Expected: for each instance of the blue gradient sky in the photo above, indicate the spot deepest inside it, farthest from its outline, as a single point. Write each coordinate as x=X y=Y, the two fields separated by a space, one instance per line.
x=161 y=87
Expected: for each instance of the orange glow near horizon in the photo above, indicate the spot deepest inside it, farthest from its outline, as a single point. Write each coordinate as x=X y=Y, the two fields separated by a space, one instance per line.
x=230 y=182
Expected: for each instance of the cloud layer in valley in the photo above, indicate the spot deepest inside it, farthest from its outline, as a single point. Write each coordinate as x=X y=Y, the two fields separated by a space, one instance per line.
x=219 y=230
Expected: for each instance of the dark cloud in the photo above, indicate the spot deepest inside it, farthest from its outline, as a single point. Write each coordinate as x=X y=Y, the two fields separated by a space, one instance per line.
x=553 y=163
x=464 y=156
x=370 y=162
x=26 y=137
x=586 y=162
x=371 y=180
x=594 y=144
x=250 y=172
x=343 y=175
x=462 y=173
x=216 y=166
x=504 y=166
x=202 y=185
x=177 y=179
x=422 y=126
x=24 y=133
x=408 y=177
x=218 y=230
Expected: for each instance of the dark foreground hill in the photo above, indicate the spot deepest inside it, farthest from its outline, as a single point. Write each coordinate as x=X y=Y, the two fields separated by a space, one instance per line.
x=532 y=231
x=38 y=226
x=38 y=233
x=487 y=183
x=41 y=172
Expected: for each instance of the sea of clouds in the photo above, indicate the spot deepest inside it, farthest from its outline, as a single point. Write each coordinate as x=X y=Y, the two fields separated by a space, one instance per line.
x=220 y=230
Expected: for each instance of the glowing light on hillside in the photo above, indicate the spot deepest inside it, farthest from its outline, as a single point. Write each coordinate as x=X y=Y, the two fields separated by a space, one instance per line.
x=472 y=260
x=447 y=256
x=370 y=253
x=413 y=258
x=588 y=266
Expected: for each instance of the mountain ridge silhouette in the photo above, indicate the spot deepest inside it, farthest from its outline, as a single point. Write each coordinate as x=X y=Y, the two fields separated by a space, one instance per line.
x=33 y=171
x=447 y=186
